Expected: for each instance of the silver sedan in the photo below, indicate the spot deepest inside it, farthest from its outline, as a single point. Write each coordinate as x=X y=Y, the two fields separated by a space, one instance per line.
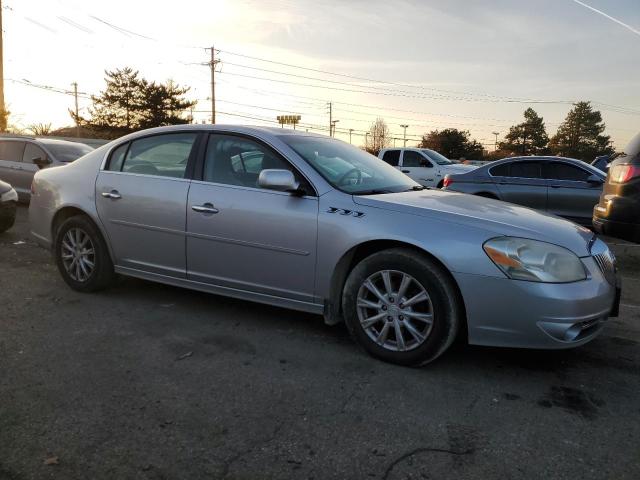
x=311 y=223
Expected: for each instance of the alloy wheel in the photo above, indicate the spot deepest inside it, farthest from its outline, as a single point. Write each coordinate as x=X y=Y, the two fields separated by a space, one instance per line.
x=395 y=310
x=78 y=254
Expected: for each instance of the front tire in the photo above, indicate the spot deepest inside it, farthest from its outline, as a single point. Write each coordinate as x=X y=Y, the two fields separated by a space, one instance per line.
x=402 y=307
x=82 y=255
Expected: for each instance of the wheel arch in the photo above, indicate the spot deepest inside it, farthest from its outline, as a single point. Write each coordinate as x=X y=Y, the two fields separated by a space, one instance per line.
x=333 y=305
x=69 y=211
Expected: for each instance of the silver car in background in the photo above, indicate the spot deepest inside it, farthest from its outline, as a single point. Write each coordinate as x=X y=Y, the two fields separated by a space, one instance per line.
x=21 y=157
x=311 y=223
x=565 y=187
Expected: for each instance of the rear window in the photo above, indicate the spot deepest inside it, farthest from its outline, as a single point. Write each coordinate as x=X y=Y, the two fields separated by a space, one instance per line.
x=68 y=152
x=11 y=151
x=500 y=170
x=525 y=170
x=392 y=157
x=564 y=171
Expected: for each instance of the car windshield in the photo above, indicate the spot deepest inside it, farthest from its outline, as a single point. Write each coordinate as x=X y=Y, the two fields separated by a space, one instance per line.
x=348 y=168
x=436 y=157
x=68 y=152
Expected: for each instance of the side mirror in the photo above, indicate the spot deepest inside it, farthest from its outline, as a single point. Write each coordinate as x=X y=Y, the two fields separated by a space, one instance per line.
x=594 y=180
x=425 y=164
x=41 y=162
x=279 y=180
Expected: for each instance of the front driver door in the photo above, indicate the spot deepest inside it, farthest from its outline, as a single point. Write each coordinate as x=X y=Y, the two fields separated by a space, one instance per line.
x=141 y=197
x=246 y=238
x=416 y=166
x=570 y=194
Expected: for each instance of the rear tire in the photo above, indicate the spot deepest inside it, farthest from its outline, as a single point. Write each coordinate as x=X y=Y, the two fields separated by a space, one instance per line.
x=7 y=218
x=409 y=327
x=82 y=255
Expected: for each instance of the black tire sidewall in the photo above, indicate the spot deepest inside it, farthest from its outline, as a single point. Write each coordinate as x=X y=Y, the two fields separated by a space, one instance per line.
x=438 y=286
x=102 y=273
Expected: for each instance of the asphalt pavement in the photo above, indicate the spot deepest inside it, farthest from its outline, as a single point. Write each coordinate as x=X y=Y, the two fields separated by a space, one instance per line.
x=146 y=381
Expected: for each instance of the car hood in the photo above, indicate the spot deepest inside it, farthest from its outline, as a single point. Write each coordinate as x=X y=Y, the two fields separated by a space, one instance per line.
x=494 y=216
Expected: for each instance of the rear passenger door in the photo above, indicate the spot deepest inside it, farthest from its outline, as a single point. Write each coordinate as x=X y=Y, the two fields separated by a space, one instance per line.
x=521 y=182
x=570 y=194
x=11 y=152
x=141 y=198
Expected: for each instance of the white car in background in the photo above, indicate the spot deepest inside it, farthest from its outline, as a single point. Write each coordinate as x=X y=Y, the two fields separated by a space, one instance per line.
x=425 y=166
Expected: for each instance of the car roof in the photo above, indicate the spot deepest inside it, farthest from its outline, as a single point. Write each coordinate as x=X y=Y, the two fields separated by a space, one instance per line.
x=247 y=129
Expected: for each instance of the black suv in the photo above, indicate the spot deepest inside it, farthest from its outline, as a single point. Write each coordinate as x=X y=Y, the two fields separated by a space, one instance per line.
x=618 y=213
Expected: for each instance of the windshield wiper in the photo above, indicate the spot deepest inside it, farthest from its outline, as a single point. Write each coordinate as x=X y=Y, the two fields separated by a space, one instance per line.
x=375 y=191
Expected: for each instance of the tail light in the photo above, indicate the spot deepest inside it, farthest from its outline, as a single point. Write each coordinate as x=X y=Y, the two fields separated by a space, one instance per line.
x=624 y=173
x=447 y=181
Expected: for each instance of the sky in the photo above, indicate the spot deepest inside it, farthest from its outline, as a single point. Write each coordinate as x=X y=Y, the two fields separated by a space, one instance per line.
x=429 y=64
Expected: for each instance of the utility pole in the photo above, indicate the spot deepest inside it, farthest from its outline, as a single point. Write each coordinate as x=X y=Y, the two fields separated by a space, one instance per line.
x=350 y=132
x=405 y=134
x=3 y=111
x=495 y=146
x=75 y=95
x=330 y=105
x=366 y=140
x=212 y=64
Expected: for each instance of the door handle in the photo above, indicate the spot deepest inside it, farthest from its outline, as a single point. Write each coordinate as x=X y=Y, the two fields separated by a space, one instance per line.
x=205 y=208
x=406 y=171
x=113 y=194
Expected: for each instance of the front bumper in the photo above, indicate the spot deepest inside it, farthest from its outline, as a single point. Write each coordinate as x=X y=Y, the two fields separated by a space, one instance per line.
x=511 y=313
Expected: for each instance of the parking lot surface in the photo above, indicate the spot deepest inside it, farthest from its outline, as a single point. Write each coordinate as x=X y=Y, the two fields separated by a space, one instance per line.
x=155 y=382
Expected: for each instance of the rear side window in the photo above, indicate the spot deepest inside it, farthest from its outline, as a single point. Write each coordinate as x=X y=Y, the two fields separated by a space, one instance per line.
x=392 y=157
x=564 y=171
x=117 y=158
x=11 y=151
x=500 y=170
x=525 y=170
x=162 y=155
x=31 y=152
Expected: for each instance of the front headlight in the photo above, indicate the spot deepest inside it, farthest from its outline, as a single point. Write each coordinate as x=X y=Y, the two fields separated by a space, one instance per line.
x=524 y=259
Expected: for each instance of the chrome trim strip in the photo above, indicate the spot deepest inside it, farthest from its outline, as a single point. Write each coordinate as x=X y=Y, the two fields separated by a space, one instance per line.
x=147 y=227
x=244 y=243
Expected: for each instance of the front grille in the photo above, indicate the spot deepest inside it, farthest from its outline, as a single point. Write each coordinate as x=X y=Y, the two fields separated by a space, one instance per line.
x=607 y=264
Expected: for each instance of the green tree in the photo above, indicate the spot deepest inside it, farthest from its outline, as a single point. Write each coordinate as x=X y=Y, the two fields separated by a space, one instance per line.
x=130 y=102
x=580 y=135
x=528 y=137
x=452 y=143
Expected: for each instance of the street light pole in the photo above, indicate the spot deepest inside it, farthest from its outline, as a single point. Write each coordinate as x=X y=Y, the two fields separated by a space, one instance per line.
x=495 y=147
x=405 y=133
x=350 y=132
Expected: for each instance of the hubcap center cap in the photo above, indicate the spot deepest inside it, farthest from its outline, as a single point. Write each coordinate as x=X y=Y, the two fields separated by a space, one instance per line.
x=394 y=310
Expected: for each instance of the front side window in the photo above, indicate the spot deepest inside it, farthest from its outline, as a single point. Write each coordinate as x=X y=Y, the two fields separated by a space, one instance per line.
x=348 y=168
x=162 y=155
x=564 y=171
x=11 y=151
x=392 y=157
x=414 y=159
x=439 y=158
x=233 y=160
x=31 y=152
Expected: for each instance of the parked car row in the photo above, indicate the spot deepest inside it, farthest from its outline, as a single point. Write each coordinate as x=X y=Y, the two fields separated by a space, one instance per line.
x=311 y=223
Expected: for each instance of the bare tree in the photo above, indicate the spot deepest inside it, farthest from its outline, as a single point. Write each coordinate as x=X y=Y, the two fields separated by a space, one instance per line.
x=40 y=129
x=378 y=138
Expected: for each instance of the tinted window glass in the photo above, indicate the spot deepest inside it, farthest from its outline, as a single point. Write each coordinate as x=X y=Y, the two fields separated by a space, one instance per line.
x=117 y=158
x=413 y=159
x=162 y=155
x=564 y=171
x=525 y=170
x=68 y=152
x=500 y=170
x=238 y=161
x=11 y=151
x=392 y=157
x=32 y=151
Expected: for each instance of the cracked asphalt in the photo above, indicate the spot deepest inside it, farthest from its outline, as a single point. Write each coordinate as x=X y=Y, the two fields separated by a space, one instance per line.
x=146 y=381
